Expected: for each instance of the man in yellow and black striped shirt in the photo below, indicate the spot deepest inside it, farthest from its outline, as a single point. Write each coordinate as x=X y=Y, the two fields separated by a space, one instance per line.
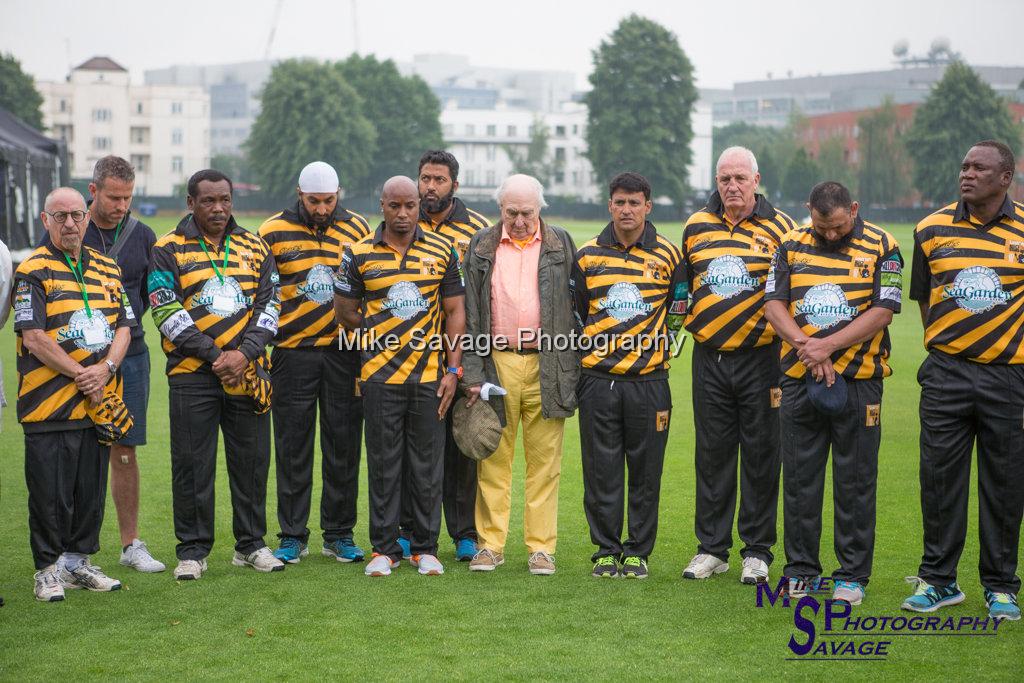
x=968 y=278
x=629 y=290
x=73 y=320
x=442 y=213
x=831 y=293
x=212 y=289
x=391 y=289
x=728 y=247
x=310 y=370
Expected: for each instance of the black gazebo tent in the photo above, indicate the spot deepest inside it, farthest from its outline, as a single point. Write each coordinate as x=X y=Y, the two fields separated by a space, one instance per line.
x=31 y=165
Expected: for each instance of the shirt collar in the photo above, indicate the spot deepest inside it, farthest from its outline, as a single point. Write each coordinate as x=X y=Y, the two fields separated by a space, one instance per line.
x=648 y=240
x=378 y=234
x=762 y=207
x=83 y=255
x=962 y=214
x=505 y=237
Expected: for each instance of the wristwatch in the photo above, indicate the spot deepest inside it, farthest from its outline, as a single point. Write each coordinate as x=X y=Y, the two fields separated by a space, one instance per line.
x=457 y=371
x=111 y=367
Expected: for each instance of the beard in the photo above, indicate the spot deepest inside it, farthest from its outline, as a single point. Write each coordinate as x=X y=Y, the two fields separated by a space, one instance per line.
x=833 y=246
x=440 y=204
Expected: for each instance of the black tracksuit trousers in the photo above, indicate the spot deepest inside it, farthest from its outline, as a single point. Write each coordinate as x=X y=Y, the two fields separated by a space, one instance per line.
x=854 y=438
x=197 y=412
x=963 y=403
x=623 y=426
x=66 y=475
x=305 y=379
x=404 y=446
x=735 y=401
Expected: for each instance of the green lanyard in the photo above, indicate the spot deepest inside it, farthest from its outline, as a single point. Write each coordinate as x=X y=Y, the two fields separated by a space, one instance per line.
x=227 y=250
x=76 y=270
x=117 y=231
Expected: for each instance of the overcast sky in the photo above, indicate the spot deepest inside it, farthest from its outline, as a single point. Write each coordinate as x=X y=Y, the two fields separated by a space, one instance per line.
x=727 y=42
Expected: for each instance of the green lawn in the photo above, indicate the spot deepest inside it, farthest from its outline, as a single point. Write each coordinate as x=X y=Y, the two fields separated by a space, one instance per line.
x=321 y=618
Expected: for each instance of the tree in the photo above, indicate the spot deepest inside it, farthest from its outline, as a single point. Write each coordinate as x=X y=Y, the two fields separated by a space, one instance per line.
x=834 y=165
x=404 y=111
x=534 y=160
x=309 y=113
x=639 y=107
x=802 y=174
x=772 y=147
x=883 y=174
x=18 y=93
x=961 y=110
x=236 y=166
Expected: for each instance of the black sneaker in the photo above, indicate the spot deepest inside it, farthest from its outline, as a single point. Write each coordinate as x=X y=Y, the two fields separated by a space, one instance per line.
x=634 y=567
x=605 y=568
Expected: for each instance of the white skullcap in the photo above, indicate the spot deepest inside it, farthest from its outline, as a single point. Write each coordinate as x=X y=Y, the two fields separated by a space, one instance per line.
x=318 y=177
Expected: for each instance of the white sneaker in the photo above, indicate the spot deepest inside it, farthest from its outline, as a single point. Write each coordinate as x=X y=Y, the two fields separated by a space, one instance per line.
x=138 y=557
x=754 y=571
x=380 y=565
x=702 y=566
x=261 y=560
x=89 y=577
x=428 y=565
x=48 y=586
x=189 y=570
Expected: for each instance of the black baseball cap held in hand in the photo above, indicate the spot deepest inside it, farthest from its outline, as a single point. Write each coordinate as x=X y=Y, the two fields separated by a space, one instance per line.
x=830 y=400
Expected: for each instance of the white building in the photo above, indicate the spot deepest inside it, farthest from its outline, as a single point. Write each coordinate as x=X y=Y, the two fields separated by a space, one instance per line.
x=162 y=130
x=481 y=139
x=234 y=91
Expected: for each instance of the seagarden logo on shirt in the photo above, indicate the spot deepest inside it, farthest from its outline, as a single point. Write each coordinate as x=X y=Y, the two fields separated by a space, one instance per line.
x=319 y=284
x=976 y=289
x=624 y=302
x=405 y=301
x=90 y=333
x=727 y=276
x=222 y=299
x=825 y=305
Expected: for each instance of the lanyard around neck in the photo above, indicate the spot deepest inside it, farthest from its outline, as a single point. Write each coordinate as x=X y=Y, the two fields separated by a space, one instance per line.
x=227 y=250
x=76 y=270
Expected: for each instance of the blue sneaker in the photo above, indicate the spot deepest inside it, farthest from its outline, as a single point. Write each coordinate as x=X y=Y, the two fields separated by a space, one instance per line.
x=406 y=547
x=343 y=550
x=465 y=550
x=1002 y=606
x=928 y=598
x=291 y=550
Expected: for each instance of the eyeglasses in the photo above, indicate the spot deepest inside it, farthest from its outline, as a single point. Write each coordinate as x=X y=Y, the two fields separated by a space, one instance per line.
x=62 y=216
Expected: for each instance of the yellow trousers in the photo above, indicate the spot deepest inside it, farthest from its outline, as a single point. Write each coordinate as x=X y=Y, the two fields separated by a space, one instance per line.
x=542 y=444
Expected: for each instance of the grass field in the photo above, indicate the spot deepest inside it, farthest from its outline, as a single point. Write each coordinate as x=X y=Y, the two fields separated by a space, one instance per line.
x=322 y=619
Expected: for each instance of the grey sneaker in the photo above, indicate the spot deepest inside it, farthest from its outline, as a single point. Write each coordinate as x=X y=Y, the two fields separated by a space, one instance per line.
x=89 y=577
x=848 y=591
x=428 y=565
x=541 y=564
x=755 y=571
x=703 y=565
x=138 y=557
x=189 y=570
x=261 y=560
x=48 y=586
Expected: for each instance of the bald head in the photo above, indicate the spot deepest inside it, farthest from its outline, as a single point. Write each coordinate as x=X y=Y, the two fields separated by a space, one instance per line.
x=400 y=184
x=65 y=195
x=400 y=204
x=58 y=217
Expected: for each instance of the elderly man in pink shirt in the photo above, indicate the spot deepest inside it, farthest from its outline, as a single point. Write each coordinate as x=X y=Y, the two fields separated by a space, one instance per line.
x=518 y=276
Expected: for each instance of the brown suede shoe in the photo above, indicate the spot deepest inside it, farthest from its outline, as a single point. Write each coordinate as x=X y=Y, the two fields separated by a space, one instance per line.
x=486 y=560
x=542 y=564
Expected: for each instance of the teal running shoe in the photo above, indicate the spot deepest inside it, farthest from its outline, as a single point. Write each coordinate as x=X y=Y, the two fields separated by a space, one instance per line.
x=928 y=598
x=1002 y=606
x=291 y=551
x=343 y=550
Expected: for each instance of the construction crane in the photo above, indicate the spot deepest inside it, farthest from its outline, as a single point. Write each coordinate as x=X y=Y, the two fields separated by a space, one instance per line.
x=273 y=28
